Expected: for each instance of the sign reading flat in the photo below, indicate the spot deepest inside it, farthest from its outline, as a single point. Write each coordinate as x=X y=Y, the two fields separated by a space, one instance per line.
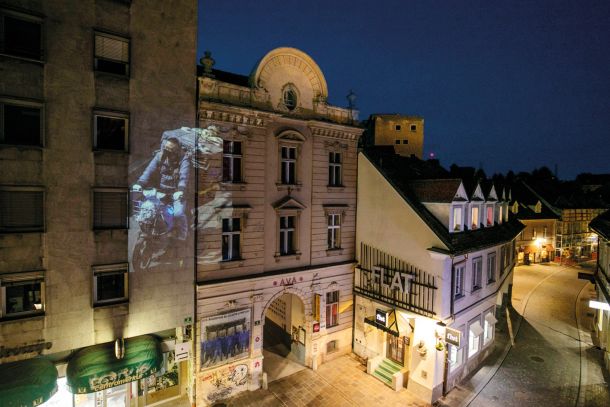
x=381 y=317
x=452 y=337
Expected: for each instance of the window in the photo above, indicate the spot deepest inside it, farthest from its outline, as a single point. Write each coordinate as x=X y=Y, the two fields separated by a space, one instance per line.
x=457 y=219
x=332 y=309
x=474 y=217
x=491 y=268
x=477 y=273
x=488 y=327
x=502 y=259
x=334 y=231
x=490 y=216
x=111 y=54
x=110 y=209
x=287 y=235
x=231 y=237
x=544 y=231
x=405 y=141
x=21 y=35
x=334 y=169
x=110 y=131
x=289 y=98
x=500 y=214
x=21 y=209
x=110 y=284
x=533 y=233
x=397 y=127
x=22 y=297
x=397 y=141
x=474 y=337
x=414 y=127
x=21 y=123
x=455 y=356
x=458 y=289
x=231 y=161
x=288 y=165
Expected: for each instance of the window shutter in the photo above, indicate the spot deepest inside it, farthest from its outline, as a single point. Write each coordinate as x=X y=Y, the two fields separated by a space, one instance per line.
x=110 y=210
x=111 y=48
x=21 y=210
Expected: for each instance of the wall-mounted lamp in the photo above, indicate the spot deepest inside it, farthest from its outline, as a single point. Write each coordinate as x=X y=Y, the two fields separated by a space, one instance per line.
x=119 y=348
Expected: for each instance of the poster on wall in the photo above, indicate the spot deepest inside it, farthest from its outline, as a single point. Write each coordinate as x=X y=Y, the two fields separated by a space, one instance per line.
x=162 y=196
x=225 y=338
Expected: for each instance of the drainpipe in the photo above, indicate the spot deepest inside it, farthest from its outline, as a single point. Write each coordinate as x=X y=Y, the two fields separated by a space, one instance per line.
x=195 y=269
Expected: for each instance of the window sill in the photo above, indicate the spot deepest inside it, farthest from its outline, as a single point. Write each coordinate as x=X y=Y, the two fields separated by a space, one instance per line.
x=476 y=288
x=490 y=282
x=231 y=263
x=458 y=297
x=99 y=151
x=293 y=256
x=35 y=147
x=122 y=301
x=103 y=74
x=24 y=59
x=28 y=316
x=233 y=186
x=330 y=188
x=285 y=187
x=338 y=251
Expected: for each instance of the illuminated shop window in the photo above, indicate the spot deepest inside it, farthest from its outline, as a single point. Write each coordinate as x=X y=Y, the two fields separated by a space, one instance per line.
x=21 y=209
x=111 y=54
x=21 y=122
x=455 y=356
x=110 y=131
x=110 y=209
x=332 y=309
x=21 y=35
x=231 y=238
x=110 y=284
x=488 y=327
x=232 y=161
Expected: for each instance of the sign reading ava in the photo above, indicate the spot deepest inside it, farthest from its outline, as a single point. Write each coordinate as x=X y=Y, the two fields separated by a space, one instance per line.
x=452 y=336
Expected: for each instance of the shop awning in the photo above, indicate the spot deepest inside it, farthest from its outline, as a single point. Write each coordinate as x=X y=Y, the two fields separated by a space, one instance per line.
x=390 y=330
x=27 y=383
x=97 y=368
x=476 y=329
x=490 y=318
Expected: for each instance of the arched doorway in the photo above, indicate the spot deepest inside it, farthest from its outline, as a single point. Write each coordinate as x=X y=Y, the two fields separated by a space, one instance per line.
x=284 y=336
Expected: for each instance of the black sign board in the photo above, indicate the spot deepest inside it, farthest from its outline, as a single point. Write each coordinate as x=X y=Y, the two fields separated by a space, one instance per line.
x=381 y=317
x=452 y=337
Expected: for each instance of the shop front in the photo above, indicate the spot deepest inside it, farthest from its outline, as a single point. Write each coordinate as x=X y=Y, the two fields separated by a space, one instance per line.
x=28 y=382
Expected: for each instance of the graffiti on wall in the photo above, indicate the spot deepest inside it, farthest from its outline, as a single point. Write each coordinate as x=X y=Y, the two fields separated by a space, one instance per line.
x=224 y=382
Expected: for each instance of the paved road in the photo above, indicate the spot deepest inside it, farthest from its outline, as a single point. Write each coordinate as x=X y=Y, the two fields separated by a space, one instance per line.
x=553 y=362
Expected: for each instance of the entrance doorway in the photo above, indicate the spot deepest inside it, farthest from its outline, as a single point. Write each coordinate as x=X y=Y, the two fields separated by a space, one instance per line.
x=396 y=349
x=284 y=337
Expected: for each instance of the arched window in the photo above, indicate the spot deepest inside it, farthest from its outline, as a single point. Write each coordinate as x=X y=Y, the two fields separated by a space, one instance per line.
x=289 y=98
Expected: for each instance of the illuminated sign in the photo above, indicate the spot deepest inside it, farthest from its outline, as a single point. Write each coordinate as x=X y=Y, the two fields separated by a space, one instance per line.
x=381 y=317
x=452 y=337
x=400 y=280
x=599 y=305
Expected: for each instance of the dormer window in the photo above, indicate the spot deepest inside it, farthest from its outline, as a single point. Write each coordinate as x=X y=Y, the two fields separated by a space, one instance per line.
x=538 y=207
x=500 y=214
x=456 y=224
x=289 y=97
x=489 y=218
x=474 y=217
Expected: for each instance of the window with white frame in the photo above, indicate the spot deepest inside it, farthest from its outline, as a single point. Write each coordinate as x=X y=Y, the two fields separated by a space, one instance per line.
x=21 y=209
x=110 y=208
x=491 y=268
x=489 y=324
x=502 y=259
x=334 y=231
x=231 y=239
x=110 y=284
x=477 y=273
x=455 y=356
x=21 y=35
x=456 y=219
x=110 y=131
x=288 y=165
x=111 y=54
x=334 y=169
x=22 y=295
x=474 y=337
x=474 y=217
x=21 y=122
x=458 y=276
x=489 y=218
x=332 y=309
x=232 y=161
x=287 y=236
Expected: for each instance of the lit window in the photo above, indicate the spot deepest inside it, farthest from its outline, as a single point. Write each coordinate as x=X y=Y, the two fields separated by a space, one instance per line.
x=231 y=161
x=474 y=217
x=110 y=284
x=231 y=236
x=22 y=298
x=21 y=123
x=544 y=230
x=491 y=268
x=288 y=165
x=500 y=214
x=111 y=54
x=455 y=356
x=458 y=290
x=334 y=231
x=477 y=273
x=21 y=209
x=287 y=235
x=334 y=169
x=489 y=324
x=474 y=337
x=110 y=209
x=332 y=309
x=490 y=216
x=457 y=219
x=21 y=35
x=110 y=131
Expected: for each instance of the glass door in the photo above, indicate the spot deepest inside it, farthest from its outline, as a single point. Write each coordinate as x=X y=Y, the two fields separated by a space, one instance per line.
x=396 y=349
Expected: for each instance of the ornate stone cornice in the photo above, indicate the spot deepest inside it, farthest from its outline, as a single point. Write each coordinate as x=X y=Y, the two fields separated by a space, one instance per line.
x=334 y=133
x=237 y=118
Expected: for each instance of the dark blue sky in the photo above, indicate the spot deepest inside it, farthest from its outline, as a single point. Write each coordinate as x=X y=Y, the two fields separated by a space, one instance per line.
x=502 y=84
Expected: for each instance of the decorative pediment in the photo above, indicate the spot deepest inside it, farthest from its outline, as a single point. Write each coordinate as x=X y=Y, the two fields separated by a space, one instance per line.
x=234 y=132
x=291 y=135
x=288 y=203
x=477 y=195
x=460 y=194
x=493 y=195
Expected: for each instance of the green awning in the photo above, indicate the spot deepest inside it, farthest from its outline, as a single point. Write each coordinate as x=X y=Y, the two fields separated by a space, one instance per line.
x=27 y=382
x=96 y=368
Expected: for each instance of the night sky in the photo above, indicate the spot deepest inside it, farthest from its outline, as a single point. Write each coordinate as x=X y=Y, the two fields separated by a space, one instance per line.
x=501 y=84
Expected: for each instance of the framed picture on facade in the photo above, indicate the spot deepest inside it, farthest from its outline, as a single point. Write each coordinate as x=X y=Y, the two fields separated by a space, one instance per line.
x=225 y=338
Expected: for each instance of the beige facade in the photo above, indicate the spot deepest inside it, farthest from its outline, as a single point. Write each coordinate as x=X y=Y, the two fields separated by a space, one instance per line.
x=405 y=133
x=151 y=48
x=289 y=157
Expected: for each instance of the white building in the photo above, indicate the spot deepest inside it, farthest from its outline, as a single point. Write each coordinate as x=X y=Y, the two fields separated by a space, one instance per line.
x=601 y=226
x=430 y=251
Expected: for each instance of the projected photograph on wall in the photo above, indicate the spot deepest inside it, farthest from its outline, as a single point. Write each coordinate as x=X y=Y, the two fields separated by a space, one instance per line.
x=162 y=198
x=224 y=338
